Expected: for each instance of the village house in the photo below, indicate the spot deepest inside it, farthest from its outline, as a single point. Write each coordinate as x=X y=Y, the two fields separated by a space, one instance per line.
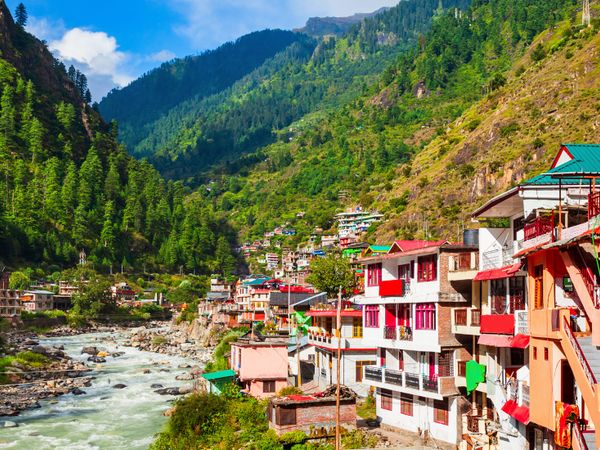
x=261 y=364
x=215 y=382
x=407 y=304
x=311 y=414
x=355 y=354
x=36 y=301
x=122 y=293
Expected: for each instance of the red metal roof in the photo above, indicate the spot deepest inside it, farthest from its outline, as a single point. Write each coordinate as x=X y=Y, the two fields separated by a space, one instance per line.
x=414 y=244
x=495 y=274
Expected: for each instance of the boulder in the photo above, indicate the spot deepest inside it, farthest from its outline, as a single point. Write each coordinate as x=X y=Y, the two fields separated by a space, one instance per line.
x=96 y=359
x=184 y=377
x=185 y=390
x=156 y=386
x=168 y=391
x=119 y=386
x=10 y=424
x=90 y=350
x=40 y=349
x=77 y=391
x=117 y=354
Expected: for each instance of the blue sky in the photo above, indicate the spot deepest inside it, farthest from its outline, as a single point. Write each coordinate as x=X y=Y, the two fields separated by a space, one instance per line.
x=113 y=42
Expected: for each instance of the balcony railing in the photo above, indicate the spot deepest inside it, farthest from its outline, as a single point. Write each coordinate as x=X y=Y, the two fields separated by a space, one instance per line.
x=582 y=359
x=389 y=332
x=392 y=288
x=437 y=384
x=539 y=227
x=475 y=317
x=593 y=204
x=402 y=333
x=373 y=373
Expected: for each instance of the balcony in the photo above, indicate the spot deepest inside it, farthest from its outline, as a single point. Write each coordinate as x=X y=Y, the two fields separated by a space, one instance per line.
x=397 y=333
x=463 y=266
x=466 y=321
x=496 y=258
x=392 y=288
x=538 y=232
x=387 y=378
x=509 y=324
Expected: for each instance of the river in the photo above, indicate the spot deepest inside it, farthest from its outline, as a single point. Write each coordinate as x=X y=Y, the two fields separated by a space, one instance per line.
x=104 y=417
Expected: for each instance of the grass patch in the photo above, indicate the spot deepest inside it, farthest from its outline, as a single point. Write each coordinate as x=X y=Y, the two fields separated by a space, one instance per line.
x=366 y=408
x=28 y=359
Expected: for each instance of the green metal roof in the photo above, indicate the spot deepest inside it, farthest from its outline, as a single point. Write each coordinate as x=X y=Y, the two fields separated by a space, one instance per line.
x=221 y=374
x=379 y=248
x=586 y=159
x=256 y=282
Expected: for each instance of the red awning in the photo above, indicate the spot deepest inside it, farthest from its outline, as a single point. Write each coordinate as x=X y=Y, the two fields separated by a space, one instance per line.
x=504 y=341
x=495 y=340
x=259 y=316
x=509 y=407
x=495 y=274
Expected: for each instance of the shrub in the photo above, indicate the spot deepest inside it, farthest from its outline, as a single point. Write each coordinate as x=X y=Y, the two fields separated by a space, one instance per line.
x=473 y=124
x=538 y=53
x=293 y=437
x=159 y=340
x=289 y=390
x=538 y=143
x=507 y=130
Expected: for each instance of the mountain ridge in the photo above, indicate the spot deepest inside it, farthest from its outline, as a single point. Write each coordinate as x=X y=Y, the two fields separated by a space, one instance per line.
x=322 y=26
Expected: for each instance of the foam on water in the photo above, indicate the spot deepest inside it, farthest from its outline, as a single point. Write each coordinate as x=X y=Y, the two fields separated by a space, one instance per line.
x=103 y=418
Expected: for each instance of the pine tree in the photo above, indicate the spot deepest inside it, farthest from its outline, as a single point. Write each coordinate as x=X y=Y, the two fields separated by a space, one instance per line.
x=68 y=194
x=223 y=256
x=21 y=15
x=7 y=115
x=35 y=140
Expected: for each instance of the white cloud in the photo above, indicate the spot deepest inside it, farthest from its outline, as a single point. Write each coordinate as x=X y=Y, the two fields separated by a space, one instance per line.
x=209 y=23
x=161 y=56
x=45 y=29
x=96 y=54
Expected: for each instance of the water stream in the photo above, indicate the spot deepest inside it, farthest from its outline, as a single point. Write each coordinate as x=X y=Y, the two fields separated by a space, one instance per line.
x=104 y=417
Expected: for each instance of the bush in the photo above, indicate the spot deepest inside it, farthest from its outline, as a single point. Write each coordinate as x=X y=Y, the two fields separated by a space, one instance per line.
x=159 y=340
x=538 y=53
x=289 y=390
x=538 y=143
x=359 y=439
x=509 y=129
x=473 y=124
x=293 y=437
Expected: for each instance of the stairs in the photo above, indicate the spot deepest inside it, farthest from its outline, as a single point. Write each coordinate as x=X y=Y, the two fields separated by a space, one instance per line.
x=591 y=353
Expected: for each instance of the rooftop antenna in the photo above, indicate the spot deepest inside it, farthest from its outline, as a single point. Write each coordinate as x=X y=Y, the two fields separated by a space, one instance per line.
x=585 y=16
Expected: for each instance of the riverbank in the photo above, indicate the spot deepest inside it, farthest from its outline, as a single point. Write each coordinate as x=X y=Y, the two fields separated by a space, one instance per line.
x=121 y=408
x=32 y=372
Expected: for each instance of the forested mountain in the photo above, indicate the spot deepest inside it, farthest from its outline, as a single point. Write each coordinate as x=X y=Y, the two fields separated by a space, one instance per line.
x=136 y=106
x=452 y=109
x=66 y=185
x=323 y=26
x=307 y=76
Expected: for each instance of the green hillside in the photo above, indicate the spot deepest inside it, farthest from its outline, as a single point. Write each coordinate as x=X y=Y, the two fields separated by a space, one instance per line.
x=307 y=76
x=66 y=185
x=393 y=147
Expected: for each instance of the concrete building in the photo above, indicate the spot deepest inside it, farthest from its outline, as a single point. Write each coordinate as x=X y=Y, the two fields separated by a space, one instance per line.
x=261 y=364
x=36 y=301
x=10 y=303
x=407 y=305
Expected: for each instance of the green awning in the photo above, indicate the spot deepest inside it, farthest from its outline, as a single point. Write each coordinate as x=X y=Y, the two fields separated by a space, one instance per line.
x=221 y=374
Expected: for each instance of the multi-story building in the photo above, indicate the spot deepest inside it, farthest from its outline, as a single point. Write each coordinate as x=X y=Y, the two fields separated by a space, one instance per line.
x=407 y=304
x=122 y=293
x=552 y=221
x=10 y=304
x=355 y=355
x=356 y=221
x=34 y=301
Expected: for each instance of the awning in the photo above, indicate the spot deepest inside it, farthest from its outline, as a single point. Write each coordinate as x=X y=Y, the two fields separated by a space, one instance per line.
x=496 y=274
x=504 y=341
x=259 y=316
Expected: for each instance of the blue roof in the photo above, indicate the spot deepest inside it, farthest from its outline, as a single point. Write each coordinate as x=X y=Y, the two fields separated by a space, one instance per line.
x=586 y=159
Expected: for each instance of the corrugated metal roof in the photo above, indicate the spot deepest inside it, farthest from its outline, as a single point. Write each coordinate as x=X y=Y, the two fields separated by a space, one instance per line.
x=586 y=159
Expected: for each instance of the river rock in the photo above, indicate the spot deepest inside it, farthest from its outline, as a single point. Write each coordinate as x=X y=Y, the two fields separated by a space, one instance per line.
x=117 y=354
x=90 y=350
x=185 y=390
x=119 y=386
x=40 y=349
x=77 y=391
x=156 y=386
x=10 y=424
x=96 y=359
x=168 y=391
x=184 y=377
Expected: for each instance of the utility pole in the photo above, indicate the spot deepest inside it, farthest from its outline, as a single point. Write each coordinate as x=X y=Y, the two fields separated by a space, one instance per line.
x=585 y=15
x=338 y=440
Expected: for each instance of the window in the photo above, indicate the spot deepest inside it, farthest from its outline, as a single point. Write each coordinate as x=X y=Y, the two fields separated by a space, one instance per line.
x=372 y=316
x=538 y=296
x=534 y=352
x=286 y=416
x=404 y=315
x=374 y=274
x=405 y=272
x=357 y=331
x=386 y=399
x=440 y=411
x=427 y=268
x=268 y=387
x=516 y=290
x=498 y=294
x=382 y=355
x=425 y=316
x=517 y=357
x=545 y=353
x=406 y=404
x=359 y=369
x=400 y=359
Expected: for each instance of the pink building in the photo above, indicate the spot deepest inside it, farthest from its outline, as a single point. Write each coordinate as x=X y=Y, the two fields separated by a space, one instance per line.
x=261 y=365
